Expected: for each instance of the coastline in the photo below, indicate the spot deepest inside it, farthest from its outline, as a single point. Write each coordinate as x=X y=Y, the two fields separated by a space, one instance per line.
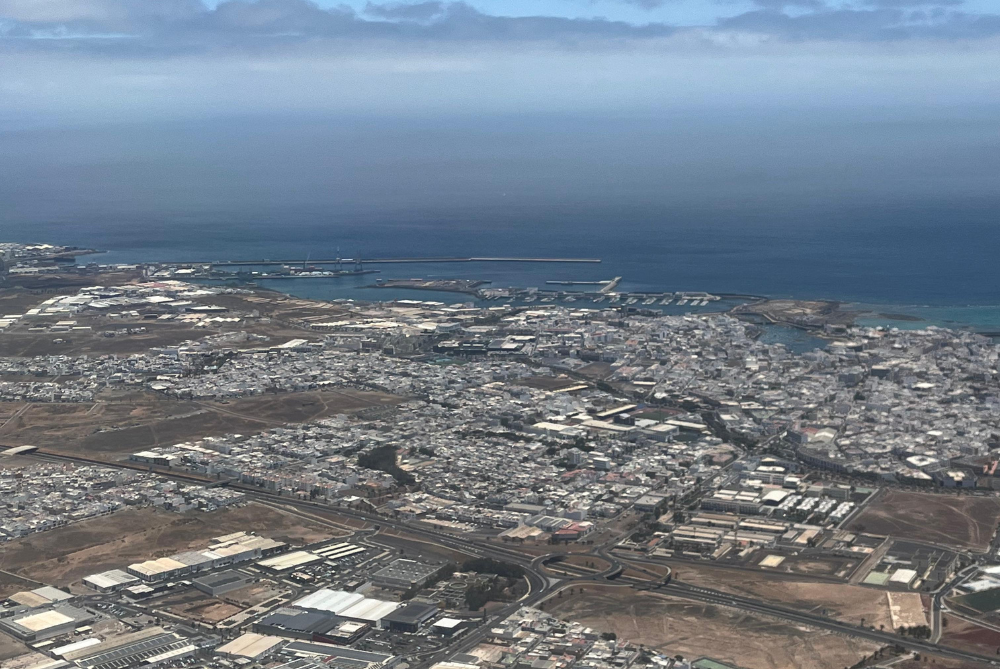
x=983 y=318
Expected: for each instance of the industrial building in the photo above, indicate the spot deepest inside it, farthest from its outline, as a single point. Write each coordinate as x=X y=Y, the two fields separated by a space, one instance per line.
x=409 y=618
x=403 y=574
x=350 y=605
x=311 y=626
x=223 y=551
x=449 y=626
x=39 y=597
x=221 y=582
x=251 y=647
x=281 y=564
x=38 y=625
x=146 y=648
x=337 y=552
x=110 y=581
x=340 y=657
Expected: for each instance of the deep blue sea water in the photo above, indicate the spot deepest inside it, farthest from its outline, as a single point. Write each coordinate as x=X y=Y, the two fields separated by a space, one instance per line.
x=899 y=215
x=943 y=278
x=941 y=257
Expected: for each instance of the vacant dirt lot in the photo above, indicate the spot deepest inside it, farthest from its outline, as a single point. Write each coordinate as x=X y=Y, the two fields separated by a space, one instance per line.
x=938 y=662
x=279 y=305
x=126 y=423
x=20 y=343
x=253 y=594
x=65 y=555
x=675 y=626
x=849 y=603
x=837 y=567
x=10 y=647
x=196 y=605
x=9 y=584
x=964 y=521
x=961 y=634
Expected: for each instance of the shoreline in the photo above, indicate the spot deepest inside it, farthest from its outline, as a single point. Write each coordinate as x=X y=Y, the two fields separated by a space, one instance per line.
x=911 y=314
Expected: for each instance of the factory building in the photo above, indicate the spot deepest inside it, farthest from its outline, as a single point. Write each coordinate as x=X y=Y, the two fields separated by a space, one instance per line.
x=221 y=582
x=223 y=551
x=110 y=581
x=350 y=605
x=38 y=625
x=410 y=617
x=250 y=647
x=39 y=597
x=282 y=564
x=449 y=626
x=405 y=574
x=305 y=625
x=340 y=657
x=337 y=552
x=145 y=648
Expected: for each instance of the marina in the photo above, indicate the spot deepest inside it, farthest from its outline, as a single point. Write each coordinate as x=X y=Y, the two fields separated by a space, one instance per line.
x=361 y=261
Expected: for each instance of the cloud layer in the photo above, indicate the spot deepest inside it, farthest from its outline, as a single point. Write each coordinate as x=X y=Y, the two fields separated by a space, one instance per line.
x=189 y=25
x=115 y=60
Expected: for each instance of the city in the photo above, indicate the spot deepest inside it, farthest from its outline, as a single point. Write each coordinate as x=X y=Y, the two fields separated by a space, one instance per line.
x=203 y=475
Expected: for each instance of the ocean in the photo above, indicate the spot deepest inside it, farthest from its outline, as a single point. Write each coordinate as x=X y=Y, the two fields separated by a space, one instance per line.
x=886 y=269
x=899 y=217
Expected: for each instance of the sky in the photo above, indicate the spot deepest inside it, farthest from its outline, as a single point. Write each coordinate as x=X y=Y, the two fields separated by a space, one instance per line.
x=65 y=62
x=205 y=110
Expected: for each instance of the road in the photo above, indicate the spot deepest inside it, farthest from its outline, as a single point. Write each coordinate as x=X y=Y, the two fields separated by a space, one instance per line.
x=541 y=585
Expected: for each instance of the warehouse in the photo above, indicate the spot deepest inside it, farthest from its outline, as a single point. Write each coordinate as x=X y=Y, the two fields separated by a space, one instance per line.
x=221 y=582
x=162 y=569
x=61 y=651
x=35 y=626
x=370 y=611
x=405 y=574
x=449 y=626
x=40 y=597
x=288 y=561
x=339 y=552
x=349 y=605
x=409 y=618
x=250 y=646
x=196 y=561
x=329 y=601
x=223 y=551
x=144 y=648
x=343 y=658
x=109 y=581
x=311 y=626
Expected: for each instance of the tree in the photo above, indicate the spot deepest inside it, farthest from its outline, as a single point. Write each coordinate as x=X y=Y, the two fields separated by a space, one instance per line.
x=491 y=566
x=383 y=459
